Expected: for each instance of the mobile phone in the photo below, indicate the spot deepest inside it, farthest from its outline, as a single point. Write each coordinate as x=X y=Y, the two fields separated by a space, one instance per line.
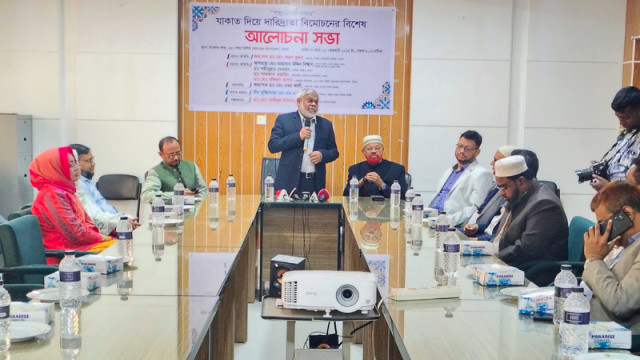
x=377 y=198
x=543 y=317
x=621 y=222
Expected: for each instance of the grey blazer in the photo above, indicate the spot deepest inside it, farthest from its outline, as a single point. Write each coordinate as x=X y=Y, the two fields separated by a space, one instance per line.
x=616 y=291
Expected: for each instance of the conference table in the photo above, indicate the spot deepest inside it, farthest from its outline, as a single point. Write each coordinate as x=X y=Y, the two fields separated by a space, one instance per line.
x=189 y=299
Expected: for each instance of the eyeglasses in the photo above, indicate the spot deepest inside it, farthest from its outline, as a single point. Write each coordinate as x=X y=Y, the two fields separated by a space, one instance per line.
x=465 y=148
x=73 y=164
x=504 y=186
x=89 y=161
x=176 y=154
x=373 y=148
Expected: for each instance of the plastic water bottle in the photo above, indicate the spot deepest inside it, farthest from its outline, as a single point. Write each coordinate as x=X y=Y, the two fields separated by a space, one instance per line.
x=442 y=226
x=416 y=218
x=157 y=243
x=214 y=217
x=451 y=256
x=70 y=338
x=438 y=267
x=408 y=198
x=565 y=281
x=5 y=317
x=394 y=217
x=178 y=199
x=395 y=193
x=70 y=286
x=354 y=192
x=214 y=190
x=231 y=187
x=268 y=188
x=124 y=230
x=157 y=210
x=574 y=329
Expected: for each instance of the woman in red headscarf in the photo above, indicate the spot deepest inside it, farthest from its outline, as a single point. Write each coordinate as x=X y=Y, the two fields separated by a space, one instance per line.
x=63 y=221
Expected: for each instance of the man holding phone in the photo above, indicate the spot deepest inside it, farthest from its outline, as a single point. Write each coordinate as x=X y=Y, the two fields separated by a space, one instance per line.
x=611 y=272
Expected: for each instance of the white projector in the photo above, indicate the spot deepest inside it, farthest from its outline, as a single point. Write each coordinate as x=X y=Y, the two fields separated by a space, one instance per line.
x=345 y=291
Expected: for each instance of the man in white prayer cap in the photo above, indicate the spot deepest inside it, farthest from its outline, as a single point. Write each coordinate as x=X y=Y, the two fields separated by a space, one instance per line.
x=376 y=175
x=534 y=226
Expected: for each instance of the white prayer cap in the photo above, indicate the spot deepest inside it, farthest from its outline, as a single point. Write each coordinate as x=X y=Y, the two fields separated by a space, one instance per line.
x=370 y=139
x=510 y=166
x=506 y=150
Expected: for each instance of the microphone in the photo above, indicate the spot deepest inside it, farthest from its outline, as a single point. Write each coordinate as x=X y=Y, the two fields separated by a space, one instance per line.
x=323 y=195
x=307 y=123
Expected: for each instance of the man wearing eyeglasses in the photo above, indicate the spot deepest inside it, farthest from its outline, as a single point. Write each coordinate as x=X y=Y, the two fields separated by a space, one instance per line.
x=87 y=170
x=375 y=175
x=164 y=176
x=611 y=273
x=534 y=225
x=463 y=186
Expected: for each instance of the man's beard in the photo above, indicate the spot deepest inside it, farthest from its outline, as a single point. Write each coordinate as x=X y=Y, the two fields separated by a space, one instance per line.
x=513 y=200
x=87 y=174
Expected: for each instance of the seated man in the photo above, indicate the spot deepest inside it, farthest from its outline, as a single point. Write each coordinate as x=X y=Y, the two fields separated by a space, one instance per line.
x=164 y=176
x=87 y=168
x=104 y=215
x=611 y=271
x=376 y=175
x=464 y=185
x=633 y=174
x=483 y=223
x=534 y=226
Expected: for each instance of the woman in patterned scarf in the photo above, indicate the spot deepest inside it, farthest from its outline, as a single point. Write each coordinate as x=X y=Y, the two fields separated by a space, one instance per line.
x=63 y=221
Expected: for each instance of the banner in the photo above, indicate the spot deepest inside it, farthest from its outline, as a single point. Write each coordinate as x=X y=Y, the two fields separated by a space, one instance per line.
x=255 y=58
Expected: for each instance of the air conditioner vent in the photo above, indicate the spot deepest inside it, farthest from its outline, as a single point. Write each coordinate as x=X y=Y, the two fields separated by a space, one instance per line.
x=290 y=292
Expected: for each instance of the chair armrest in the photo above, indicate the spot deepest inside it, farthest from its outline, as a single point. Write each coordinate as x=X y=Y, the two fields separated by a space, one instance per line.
x=30 y=269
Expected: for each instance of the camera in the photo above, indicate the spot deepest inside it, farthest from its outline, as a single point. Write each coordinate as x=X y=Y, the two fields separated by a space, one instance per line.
x=599 y=168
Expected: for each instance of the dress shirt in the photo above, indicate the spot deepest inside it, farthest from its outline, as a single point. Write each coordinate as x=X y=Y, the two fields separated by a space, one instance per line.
x=92 y=194
x=438 y=201
x=622 y=153
x=307 y=165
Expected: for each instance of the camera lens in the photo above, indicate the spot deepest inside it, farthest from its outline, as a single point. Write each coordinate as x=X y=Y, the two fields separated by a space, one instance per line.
x=584 y=175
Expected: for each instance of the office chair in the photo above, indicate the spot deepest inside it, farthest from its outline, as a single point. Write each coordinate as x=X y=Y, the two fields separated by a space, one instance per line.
x=120 y=187
x=407 y=179
x=552 y=186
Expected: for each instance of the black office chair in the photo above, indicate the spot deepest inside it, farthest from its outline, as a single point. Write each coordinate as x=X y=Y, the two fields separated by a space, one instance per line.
x=269 y=167
x=552 y=186
x=120 y=187
x=407 y=179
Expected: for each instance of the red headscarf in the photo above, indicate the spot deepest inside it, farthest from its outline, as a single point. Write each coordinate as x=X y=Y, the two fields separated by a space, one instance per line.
x=51 y=167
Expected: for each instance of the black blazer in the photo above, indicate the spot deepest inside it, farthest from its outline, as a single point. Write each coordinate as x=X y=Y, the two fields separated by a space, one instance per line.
x=285 y=138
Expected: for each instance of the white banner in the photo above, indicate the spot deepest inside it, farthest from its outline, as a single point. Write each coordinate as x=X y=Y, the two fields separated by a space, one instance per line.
x=255 y=58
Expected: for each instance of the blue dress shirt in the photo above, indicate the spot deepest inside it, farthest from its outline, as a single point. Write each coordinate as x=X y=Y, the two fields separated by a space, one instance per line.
x=92 y=193
x=438 y=201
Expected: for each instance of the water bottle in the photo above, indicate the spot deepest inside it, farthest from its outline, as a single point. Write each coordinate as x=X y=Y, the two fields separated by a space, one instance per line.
x=574 y=329
x=395 y=193
x=268 y=188
x=451 y=256
x=157 y=210
x=214 y=190
x=70 y=338
x=354 y=193
x=416 y=210
x=438 y=267
x=157 y=243
x=124 y=230
x=442 y=226
x=564 y=282
x=5 y=317
x=178 y=199
x=70 y=286
x=408 y=198
x=231 y=187
x=214 y=217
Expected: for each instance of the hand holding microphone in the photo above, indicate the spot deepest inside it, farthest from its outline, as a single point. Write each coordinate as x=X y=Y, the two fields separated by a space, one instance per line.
x=305 y=134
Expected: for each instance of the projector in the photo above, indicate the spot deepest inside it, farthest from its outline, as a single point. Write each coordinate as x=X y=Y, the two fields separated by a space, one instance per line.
x=317 y=290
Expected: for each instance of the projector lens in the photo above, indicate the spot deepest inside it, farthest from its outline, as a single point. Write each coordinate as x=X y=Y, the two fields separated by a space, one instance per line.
x=347 y=295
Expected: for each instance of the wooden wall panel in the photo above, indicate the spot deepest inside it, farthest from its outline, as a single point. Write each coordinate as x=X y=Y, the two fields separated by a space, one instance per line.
x=224 y=142
x=632 y=28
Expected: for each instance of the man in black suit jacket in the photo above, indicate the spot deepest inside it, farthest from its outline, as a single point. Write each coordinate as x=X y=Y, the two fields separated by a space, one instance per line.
x=307 y=143
x=376 y=175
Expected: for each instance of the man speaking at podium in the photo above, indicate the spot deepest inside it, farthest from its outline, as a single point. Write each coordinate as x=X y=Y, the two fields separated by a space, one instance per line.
x=307 y=143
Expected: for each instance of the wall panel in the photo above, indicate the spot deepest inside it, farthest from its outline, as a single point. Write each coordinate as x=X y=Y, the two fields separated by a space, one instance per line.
x=224 y=142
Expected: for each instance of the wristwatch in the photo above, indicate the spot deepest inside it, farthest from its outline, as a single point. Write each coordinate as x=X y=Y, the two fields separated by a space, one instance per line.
x=383 y=187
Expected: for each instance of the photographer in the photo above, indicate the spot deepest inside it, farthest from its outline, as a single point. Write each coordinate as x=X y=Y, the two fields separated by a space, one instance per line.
x=626 y=105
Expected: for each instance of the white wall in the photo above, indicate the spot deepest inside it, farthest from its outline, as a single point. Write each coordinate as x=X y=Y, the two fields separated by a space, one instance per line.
x=100 y=73
x=536 y=74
